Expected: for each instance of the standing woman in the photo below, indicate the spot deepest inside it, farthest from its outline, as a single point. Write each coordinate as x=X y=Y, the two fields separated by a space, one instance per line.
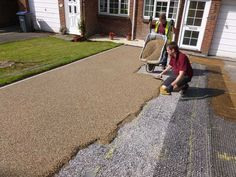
x=165 y=27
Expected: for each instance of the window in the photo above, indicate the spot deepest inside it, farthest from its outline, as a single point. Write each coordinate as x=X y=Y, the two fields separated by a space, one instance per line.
x=160 y=8
x=149 y=5
x=173 y=9
x=103 y=6
x=124 y=7
x=195 y=13
x=155 y=7
x=190 y=37
x=114 y=7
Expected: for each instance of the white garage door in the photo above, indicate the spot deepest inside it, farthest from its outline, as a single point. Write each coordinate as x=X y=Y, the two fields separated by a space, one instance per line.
x=224 y=39
x=45 y=15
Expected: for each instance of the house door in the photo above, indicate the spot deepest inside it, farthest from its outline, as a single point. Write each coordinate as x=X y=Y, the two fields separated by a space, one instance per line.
x=72 y=10
x=194 y=23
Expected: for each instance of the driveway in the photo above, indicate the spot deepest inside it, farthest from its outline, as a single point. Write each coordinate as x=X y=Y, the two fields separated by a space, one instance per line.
x=48 y=118
x=94 y=111
x=173 y=135
x=13 y=33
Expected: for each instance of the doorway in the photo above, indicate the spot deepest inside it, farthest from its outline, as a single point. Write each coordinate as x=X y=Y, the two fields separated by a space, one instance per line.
x=72 y=12
x=194 y=23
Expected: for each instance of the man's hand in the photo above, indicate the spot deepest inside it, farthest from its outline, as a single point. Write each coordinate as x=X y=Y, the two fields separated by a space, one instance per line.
x=159 y=76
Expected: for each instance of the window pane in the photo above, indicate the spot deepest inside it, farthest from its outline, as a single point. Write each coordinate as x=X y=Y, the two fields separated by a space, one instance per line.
x=70 y=9
x=114 y=6
x=197 y=22
x=199 y=14
x=158 y=9
x=191 y=13
x=193 y=42
x=170 y=15
x=173 y=9
x=195 y=34
x=124 y=7
x=161 y=7
x=187 y=33
x=103 y=5
x=190 y=37
x=189 y=21
x=201 y=5
x=195 y=13
x=149 y=5
x=164 y=9
x=75 y=9
x=193 y=5
x=186 y=41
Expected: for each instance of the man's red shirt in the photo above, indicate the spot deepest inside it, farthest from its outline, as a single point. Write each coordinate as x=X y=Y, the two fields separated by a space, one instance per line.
x=181 y=63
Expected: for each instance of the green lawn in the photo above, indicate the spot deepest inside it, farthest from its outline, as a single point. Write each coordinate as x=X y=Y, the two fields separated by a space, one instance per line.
x=41 y=54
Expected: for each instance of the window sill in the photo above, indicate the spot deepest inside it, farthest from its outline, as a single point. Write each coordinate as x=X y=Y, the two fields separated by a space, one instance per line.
x=113 y=16
x=147 y=21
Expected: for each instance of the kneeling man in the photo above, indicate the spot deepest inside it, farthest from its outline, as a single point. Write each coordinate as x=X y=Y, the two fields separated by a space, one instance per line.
x=182 y=69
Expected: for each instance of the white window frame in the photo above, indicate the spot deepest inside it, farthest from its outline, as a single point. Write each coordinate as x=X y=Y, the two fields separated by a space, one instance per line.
x=154 y=10
x=203 y=26
x=108 y=8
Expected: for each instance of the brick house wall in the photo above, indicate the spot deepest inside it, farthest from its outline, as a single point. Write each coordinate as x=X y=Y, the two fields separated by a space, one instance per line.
x=119 y=25
x=61 y=4
x=23 y=5
x=210 y=26
x=142 y=27
x=180 y=16
x=90 y=11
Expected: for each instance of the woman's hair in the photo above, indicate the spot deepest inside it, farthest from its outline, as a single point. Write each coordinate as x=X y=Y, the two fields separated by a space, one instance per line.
x=162 y=16
x=173 y=45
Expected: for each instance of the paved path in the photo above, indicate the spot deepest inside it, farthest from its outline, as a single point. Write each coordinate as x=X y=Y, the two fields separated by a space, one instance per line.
x=136 y=149
x=46 y=119
x=12 y=34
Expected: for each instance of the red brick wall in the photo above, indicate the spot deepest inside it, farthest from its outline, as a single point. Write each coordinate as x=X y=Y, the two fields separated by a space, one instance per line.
x=210 y=26
x=103 y=24
x=23 y=5
x=180 y=16
x=119 y=25
x=62 y=13
x=91 y=17
x=142 y=27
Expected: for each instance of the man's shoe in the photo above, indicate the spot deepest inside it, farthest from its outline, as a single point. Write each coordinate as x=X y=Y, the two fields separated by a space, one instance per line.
x=163 y=91
x=184 y=89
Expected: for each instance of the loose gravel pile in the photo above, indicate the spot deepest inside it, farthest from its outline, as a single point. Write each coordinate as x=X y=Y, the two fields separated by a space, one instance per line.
x=153 y=49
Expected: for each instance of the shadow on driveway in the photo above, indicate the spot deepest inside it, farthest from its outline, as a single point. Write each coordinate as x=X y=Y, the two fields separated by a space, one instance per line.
x=194 y=93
